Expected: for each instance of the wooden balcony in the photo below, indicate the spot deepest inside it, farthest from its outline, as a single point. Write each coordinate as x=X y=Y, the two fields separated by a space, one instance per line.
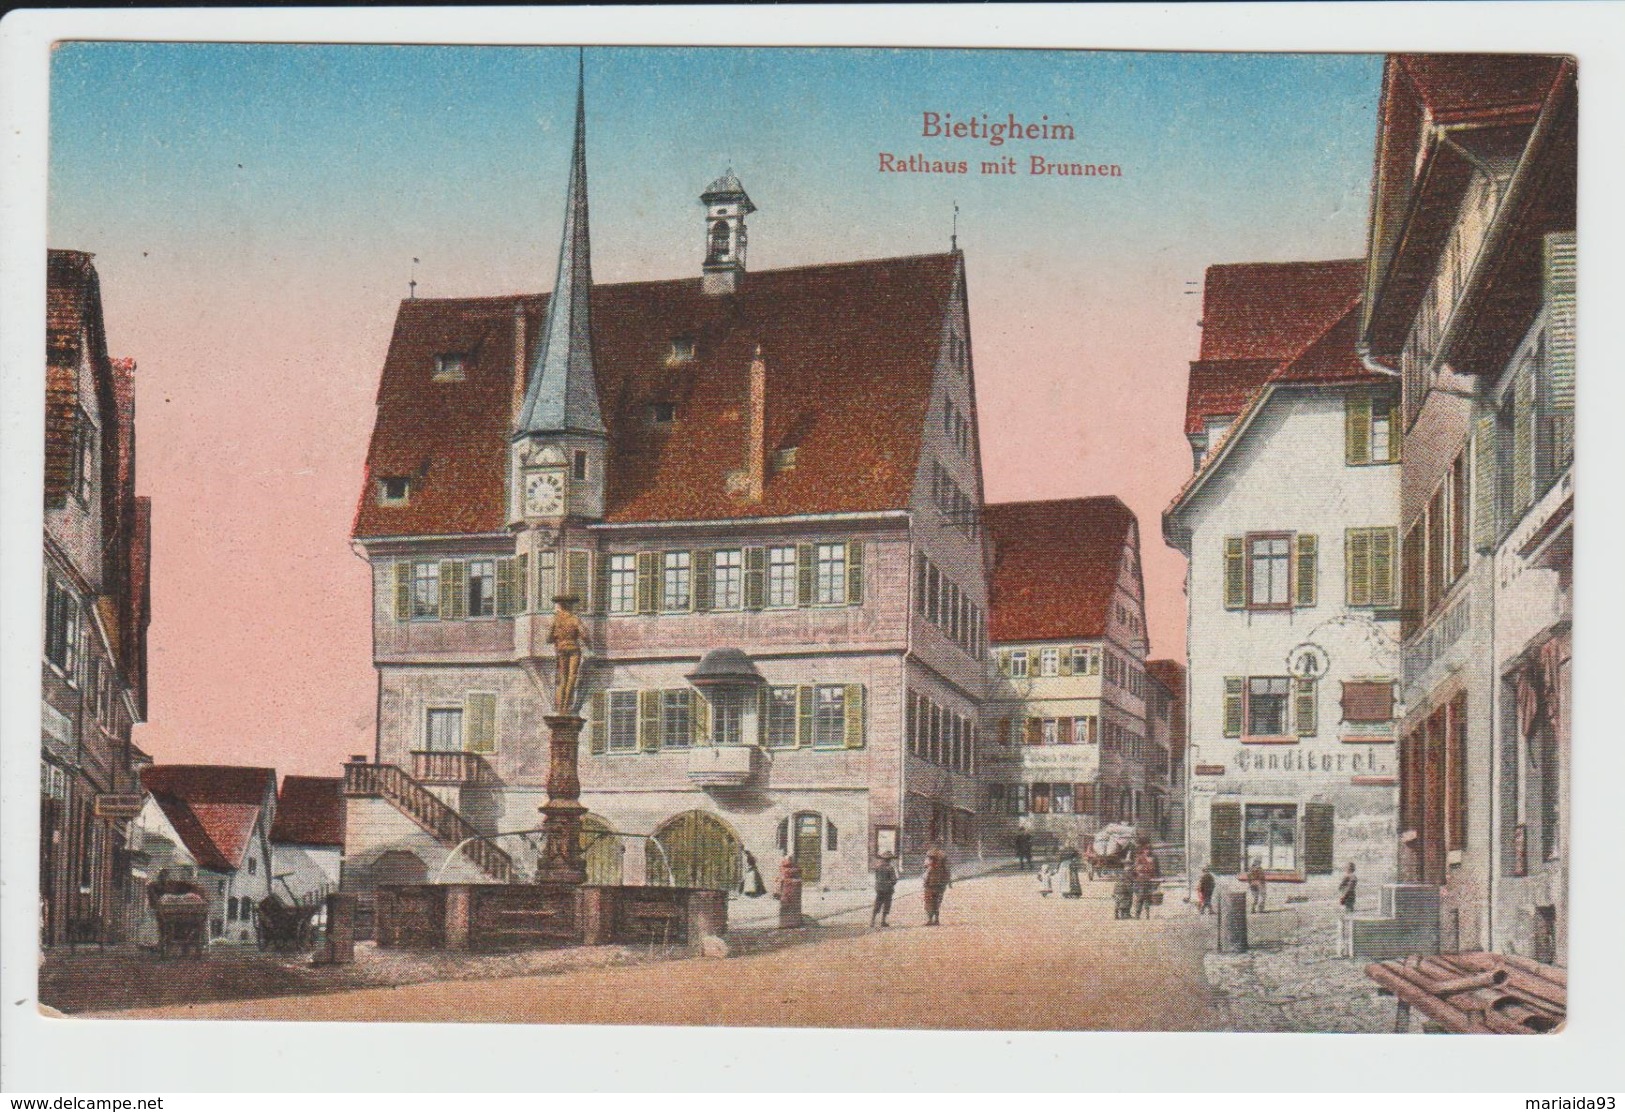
x=466 y=770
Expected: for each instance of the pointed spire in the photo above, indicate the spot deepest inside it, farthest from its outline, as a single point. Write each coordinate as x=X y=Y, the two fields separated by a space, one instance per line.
x=563 y=391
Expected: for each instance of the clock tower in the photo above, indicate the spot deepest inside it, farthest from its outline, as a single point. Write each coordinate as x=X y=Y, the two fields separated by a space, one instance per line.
x=559 y=440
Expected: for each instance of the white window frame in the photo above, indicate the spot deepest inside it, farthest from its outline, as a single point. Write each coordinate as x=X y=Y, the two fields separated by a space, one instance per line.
x=623 y=584
x=826 y=720
x=829 y=584
x=1049 y=662
x=621 y=707
x=676 y=582
x=386 y=498
x=676 y=718
x=425 y=599
x=778 y=731
x=1018 y=664
x=489 y=576
x=450 y=366
x=782 y=585
x=728 y=579
x=443 y=712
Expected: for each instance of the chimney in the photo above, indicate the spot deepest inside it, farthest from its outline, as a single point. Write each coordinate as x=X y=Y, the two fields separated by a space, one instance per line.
x=518 y=402
x=756 y=430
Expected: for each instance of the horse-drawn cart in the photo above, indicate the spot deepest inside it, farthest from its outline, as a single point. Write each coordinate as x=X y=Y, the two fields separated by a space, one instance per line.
x=285 y=926
x=182 y=922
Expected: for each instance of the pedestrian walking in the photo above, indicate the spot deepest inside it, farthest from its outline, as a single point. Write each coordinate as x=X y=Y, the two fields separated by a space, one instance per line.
x=885 y=885
x=751 y=883
x=1123 y=894
x=1074 y=884
x=1046 y=879
x=1204 y=892
x=1147 y=881
x=1024 y=850
x=1255 y=884
x=938 y=876
x=1345 y=890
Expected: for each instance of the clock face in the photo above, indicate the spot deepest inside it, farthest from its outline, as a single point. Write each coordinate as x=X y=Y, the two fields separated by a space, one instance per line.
x=544 y=493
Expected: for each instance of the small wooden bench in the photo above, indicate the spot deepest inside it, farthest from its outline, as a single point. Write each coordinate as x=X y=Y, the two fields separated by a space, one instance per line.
x=1475 y=993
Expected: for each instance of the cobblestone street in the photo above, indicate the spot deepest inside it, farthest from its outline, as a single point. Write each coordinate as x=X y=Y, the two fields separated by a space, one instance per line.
x=1004 y=958
x=1291 y=978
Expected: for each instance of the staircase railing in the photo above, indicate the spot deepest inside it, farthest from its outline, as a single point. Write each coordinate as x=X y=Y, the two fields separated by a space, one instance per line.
x=430 y=812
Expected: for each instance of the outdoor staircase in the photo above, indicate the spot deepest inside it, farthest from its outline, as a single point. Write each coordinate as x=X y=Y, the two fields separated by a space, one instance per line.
x=391 y=784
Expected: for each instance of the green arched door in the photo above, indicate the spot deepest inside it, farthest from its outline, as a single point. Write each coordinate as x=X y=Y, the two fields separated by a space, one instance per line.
x=601 y=851
x=701 y=850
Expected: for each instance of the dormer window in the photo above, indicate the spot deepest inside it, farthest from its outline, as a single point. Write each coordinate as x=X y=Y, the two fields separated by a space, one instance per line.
x=394 y=490
x=784 y=459
x=450 y=366
x=682 y=349
x=663 y=413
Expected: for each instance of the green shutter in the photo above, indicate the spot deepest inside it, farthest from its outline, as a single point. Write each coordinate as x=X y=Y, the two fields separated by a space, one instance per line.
x=1304 y=710
x=1004 y=662
x=1066 y=660
x=600 y=583
x=854 y=573
x=649 y=721
x=453 y=589
x=804 y=715
x=1357 y=555
x=1224 y=838
x=1232 y=705
x=854 y=716
x=1318 y=849
x=703 y=563
x=1560 y=321
x=505 y=588
x=480 y=722
x=578 y=574
x=521 y=582
x=1235 y=575
x=1383 y=543
x=1523 y=442
x=648 y=582
x=806 y=569
x=699 y=719
x=1305 y=587
x=547 y=579
x=1485 y=509
x=1357 y=429
x=403 y=590
x=598 y=722
x=755 y=578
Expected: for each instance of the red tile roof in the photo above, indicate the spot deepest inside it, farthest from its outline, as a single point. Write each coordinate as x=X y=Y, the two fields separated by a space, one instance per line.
x=310 y=812
x=1055 y=566
x=1257 y=317
x=850 y=350
x=213 y=808
x=1169 y=673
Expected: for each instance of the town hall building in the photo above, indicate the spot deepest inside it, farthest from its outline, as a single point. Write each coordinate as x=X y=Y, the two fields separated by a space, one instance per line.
x=761 y=493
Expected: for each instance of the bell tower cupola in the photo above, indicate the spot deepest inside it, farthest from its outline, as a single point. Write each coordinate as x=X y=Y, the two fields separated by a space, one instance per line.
x=726 y=206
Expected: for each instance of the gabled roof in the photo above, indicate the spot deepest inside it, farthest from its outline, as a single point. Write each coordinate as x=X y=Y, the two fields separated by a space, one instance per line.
x=1330 y=357
x=1454 y=87
x=1257 y=317
x=213 y=808
x=850 y=349
x=73 y=317
x=1169 y=673
x=310 y=812
x=1055 y=566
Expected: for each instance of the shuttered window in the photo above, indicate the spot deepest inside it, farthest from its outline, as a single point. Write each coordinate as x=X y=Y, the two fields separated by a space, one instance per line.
x=480 y=722
x=648 y=721
x=676 y=590
x=781 y=576
x=1319 y=849
x=578 y=575
x=648 y=582
x=806 y=574
x=1485 y=501
x=1233 y=689
x=1305 y=708
x=782 y=708
x=1235 y=574
x=1560 y=295
x=1456 y=772
x=829 y=588
x=1305 y=585
x=1459 y=517
x=676 y=718
x=623 y=583
x=1357 y=428
x=701 y=713
x=755 y=578
x=547 y=578
x=804 y=715
x=854 y=573
x=507 y=589
x=426 y=590
x=600 y=582
x=597 y=726
x=1369 y=562
x=1224 y=838
x=853 y=724
x=728 y=579
x=1083 y=798
x=453 y=590
x=482 y=583
x=403 y=591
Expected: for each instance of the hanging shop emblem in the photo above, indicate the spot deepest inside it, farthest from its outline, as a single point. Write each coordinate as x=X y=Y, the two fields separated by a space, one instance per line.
x=1307 y=661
